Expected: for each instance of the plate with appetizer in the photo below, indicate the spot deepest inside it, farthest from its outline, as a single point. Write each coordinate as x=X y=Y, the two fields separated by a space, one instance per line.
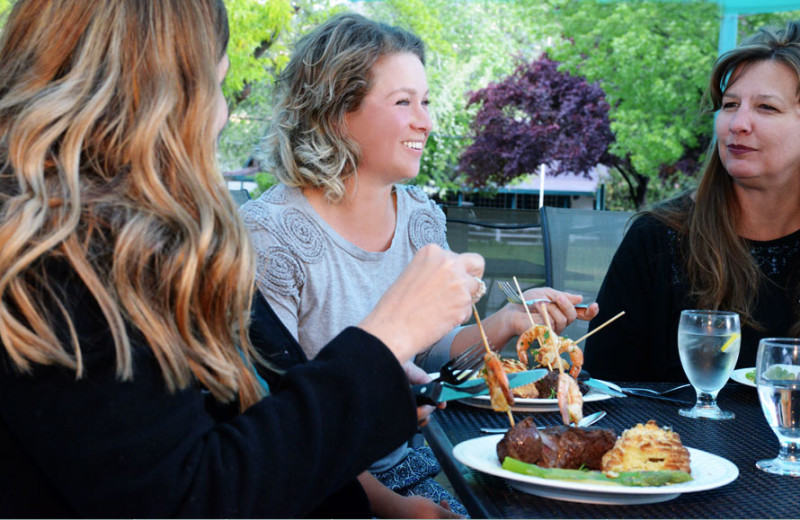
x=541 y=347
x=745 y=376
x=592 y=465
x=546 y=386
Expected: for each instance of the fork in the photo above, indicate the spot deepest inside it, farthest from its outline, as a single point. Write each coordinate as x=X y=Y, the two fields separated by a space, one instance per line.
x=656 y=392
x=513 y=297
x=463 y=366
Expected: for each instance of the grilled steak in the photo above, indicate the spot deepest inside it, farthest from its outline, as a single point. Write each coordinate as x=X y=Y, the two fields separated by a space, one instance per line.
x=556 y=446
x=522 y=442
x=571 y=448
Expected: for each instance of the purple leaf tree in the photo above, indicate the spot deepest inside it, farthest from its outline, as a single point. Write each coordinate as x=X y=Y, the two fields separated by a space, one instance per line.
x=537 y=115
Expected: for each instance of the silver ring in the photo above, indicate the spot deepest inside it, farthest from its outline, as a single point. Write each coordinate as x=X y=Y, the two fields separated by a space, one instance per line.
x=481 y=290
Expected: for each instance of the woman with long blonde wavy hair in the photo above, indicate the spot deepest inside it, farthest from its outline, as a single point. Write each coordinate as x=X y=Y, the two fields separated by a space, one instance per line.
x=127 y=375
x=733 y=243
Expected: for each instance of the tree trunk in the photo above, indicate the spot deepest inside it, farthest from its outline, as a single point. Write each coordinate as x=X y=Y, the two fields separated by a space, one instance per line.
x=637 y=183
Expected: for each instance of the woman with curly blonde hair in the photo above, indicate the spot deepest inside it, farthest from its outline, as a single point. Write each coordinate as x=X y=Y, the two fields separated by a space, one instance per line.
x=734 y=243
x=127 y=382
x=350 y=126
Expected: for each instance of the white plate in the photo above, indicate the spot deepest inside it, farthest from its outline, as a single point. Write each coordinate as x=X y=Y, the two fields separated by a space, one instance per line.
x=739 y=375
x=539 y=405
x=708 y=472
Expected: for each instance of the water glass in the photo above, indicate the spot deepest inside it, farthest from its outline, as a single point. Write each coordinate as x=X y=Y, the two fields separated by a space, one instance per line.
x=778 y=381
x=708 y=343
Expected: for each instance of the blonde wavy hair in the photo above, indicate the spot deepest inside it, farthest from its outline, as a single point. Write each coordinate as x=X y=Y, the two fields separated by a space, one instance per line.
x=107 y=165
x=721 y=271
x=328 y=76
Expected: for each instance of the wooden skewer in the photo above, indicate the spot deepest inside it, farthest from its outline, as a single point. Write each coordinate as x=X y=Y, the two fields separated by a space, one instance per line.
x=522 y=297
x=480 y=328
x=546 y=317
x=600 y=327
x=489 y=351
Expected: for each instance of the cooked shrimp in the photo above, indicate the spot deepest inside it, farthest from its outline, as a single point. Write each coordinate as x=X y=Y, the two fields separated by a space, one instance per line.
x=538 y=333
x=550 y=350
x=496 y=379
x=570 y=400
x=575 y=355
x=524 y=342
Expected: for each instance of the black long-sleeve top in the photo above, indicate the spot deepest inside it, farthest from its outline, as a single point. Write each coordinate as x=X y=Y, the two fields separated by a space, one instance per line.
x=647 y=280
x=99 y=447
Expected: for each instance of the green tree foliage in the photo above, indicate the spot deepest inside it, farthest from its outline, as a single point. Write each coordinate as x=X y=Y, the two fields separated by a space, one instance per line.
x=262 y=35
x=258 y=51
x=751 y=23
x=652 y=59
x=5 y=7
x=255 y=50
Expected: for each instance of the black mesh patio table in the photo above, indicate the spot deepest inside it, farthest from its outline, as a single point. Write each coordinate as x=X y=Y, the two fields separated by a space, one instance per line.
x=742 y=441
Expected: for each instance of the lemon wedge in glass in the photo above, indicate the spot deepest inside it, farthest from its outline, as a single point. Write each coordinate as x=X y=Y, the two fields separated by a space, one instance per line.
x=730 y=341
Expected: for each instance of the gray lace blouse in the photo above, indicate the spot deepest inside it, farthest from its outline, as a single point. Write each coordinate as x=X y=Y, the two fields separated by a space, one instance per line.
x=318 y=283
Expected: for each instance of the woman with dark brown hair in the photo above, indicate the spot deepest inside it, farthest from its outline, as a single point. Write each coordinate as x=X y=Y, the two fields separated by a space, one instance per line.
x=127 y=381
x=734 y=243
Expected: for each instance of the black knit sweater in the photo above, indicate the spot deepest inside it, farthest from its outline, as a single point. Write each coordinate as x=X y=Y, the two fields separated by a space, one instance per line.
x=99 y=447
x=646 y=279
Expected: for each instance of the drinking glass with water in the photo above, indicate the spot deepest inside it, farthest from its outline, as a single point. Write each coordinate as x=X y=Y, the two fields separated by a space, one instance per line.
x=778 y=382
x=708 y=343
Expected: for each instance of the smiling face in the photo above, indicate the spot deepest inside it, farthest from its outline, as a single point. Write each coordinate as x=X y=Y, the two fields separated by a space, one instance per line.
x=392 y=123
x=758 y=126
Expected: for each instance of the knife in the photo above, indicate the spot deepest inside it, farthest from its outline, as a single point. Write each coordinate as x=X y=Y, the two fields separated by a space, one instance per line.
x=585 y=378
x=437 y=392
x=636 y=393
x=602 y=388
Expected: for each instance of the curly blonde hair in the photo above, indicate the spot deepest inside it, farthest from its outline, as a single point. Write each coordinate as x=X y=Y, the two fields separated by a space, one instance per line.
x=328 y=76
x=107 y=164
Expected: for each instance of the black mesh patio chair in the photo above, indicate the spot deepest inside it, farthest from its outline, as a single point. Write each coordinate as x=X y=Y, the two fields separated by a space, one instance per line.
x=510 y=240
x=578 y=247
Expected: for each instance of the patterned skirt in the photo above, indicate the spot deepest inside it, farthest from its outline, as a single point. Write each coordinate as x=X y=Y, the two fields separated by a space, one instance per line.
x=414 y=475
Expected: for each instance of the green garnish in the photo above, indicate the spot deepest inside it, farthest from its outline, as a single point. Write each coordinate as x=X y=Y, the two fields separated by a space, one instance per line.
x=625 y=478
x=751 y=375
x=776 y=372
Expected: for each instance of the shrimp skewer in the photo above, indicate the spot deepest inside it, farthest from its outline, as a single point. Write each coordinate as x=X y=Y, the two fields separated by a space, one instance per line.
x=575 y=356
x=550 y=349
x=496 y=378
x=570 y=400
x=526 y=339
x=522 y=353
x=550 y=341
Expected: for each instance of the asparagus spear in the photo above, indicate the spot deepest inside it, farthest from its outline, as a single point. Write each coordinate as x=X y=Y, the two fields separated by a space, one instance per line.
x=625 y=478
